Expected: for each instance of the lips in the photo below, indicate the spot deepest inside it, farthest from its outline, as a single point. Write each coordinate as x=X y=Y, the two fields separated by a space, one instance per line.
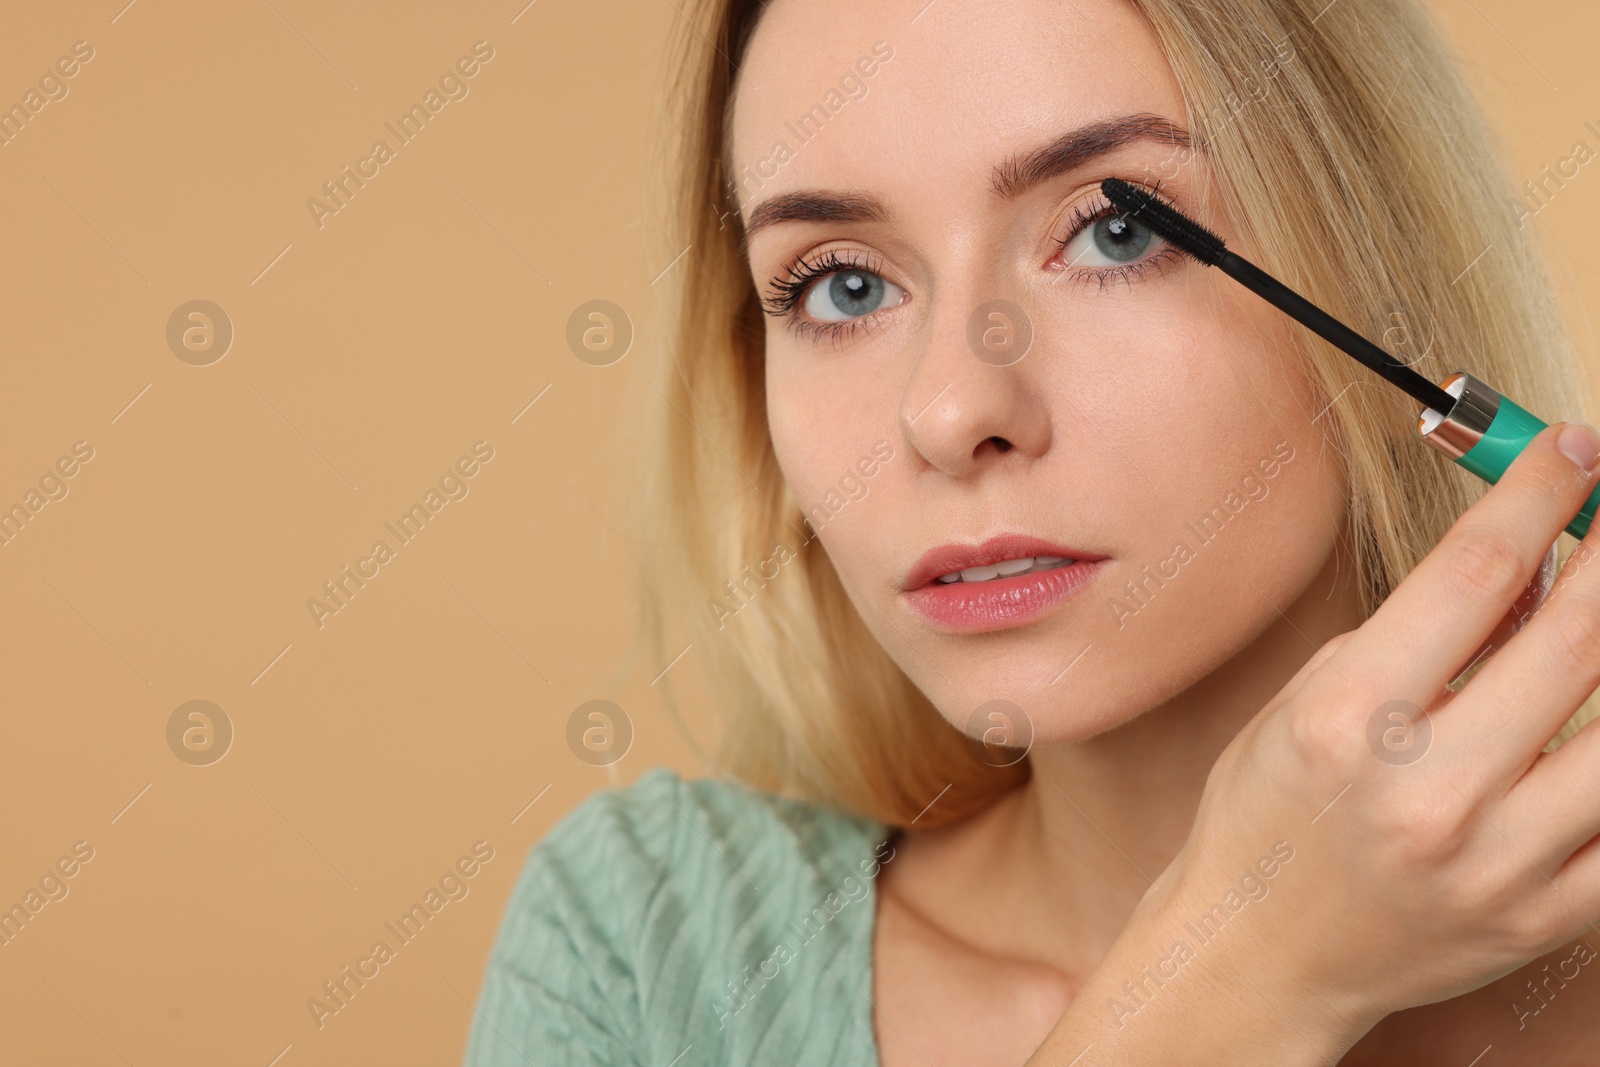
x=1001 y=602
x=946 y=559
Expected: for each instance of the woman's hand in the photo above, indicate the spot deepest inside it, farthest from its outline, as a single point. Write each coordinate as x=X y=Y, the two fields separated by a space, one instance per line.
x=1373 y=841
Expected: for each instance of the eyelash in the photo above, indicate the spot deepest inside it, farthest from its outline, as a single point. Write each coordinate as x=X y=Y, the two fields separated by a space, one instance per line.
x=788 y=291
x=1082 y=220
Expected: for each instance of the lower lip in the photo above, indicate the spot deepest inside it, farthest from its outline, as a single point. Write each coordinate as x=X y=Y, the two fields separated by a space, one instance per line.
x=976 y=607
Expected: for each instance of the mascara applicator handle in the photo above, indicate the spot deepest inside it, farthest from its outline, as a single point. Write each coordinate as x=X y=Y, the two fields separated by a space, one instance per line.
x=1484 y=431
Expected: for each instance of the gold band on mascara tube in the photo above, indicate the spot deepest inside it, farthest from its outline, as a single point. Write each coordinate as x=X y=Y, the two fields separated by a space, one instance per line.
x=1455 y=432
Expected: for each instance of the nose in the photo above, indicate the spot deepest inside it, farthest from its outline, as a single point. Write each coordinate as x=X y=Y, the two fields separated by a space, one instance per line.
x=968 y=399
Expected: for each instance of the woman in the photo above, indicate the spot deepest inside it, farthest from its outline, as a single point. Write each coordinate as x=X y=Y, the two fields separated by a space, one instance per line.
x=1097 y=711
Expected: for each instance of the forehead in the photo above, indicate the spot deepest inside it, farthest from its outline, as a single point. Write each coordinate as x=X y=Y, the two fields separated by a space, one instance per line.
x=878 y=95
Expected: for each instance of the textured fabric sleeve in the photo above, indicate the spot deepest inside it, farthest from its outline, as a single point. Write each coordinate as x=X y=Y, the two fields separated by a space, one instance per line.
x=558 y=990
x=687 y=922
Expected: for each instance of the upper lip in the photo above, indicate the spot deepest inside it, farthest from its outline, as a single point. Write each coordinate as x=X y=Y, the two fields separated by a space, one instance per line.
x=946 y=559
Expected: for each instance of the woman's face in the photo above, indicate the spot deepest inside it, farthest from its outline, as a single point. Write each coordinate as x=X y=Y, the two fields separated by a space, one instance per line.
x=914 y=163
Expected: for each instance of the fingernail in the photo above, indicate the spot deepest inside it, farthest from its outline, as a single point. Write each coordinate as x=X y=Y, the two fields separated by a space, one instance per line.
x=1579 y=443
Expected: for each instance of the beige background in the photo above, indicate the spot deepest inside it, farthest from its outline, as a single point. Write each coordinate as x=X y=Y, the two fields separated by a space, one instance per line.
x=369 y=354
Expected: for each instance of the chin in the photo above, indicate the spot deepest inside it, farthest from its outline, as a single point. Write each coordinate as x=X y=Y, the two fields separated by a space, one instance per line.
x=1059 y=698
x=1082 y=704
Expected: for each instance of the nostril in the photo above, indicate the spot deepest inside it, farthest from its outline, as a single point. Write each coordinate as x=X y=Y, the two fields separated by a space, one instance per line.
x=1001 y=444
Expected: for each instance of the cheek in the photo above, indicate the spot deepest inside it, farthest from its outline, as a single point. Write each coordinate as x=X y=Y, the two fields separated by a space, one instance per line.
x=826 y=417
x=794 y=420
x=1182 y=401
x=824 y=412
x=1211 y=405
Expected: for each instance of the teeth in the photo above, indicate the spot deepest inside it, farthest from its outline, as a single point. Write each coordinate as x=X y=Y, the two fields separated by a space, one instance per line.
x=1005 y=569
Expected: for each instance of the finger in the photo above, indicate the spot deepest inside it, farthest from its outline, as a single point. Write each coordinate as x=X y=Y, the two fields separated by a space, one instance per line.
x=1576 y=894
x=1528 y=691
x=1430 y=626
x=1555 y=807
x=1532 y=599
x=1329 y=649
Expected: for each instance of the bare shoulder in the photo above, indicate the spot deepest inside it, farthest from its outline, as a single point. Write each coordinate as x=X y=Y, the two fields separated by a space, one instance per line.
x=1546 y=1013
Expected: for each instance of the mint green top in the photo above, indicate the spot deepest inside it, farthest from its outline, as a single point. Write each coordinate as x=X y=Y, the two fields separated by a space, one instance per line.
x=681 y=923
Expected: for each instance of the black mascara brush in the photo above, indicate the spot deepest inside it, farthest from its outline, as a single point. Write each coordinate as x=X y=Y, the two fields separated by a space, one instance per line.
x=1463 y=417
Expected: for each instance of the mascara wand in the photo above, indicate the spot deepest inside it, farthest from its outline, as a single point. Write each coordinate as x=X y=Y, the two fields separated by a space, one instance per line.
x=1463 y=417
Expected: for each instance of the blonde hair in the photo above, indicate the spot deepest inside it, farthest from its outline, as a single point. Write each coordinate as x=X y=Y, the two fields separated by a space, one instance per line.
x=1361 y=170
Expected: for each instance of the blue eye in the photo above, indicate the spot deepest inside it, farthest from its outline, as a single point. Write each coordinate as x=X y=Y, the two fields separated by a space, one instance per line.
x=1117 y=239
x=1104 y=245
x=849 y=294
x=833 y=296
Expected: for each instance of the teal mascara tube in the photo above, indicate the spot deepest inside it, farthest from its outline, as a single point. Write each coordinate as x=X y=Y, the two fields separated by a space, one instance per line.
x=1484 y=431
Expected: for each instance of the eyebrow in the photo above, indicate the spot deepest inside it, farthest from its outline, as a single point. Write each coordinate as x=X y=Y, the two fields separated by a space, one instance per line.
x=1009 y=179
x=813 y=207
x=1077 y=147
